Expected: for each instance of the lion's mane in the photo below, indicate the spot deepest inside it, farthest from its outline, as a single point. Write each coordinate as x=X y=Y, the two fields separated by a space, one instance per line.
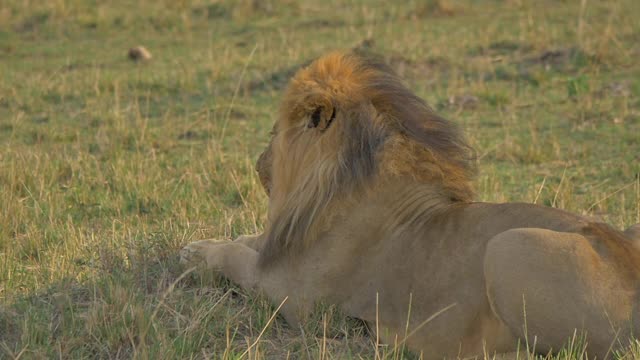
x=347 y=122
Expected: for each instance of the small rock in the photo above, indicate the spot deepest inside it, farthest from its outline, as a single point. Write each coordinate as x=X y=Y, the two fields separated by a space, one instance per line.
x=139 y=53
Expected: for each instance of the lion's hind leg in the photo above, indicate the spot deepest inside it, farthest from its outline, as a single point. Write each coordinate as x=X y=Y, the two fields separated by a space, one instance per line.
x=549 y=286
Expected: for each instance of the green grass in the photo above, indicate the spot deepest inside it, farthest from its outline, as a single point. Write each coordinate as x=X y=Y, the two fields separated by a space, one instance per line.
x=108 y=167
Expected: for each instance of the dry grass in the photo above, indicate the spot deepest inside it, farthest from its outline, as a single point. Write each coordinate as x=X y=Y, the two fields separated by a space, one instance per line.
x=108 y=167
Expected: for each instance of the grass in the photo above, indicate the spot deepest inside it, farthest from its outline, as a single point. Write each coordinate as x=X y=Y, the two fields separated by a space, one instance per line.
x=108 y=167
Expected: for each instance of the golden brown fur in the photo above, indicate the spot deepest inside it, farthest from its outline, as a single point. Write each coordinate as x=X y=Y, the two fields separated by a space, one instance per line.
x=370 y=208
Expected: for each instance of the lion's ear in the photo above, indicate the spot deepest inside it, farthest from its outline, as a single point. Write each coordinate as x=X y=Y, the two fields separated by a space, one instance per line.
x=322 y=117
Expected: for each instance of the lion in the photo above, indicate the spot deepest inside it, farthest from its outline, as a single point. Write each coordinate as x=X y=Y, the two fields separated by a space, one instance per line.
x=371 y=209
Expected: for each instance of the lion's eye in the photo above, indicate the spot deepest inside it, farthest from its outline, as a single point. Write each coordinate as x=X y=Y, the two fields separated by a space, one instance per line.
x=315 y=118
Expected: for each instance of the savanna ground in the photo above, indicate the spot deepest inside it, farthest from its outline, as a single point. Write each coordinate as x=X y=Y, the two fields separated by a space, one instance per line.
x=108 y=167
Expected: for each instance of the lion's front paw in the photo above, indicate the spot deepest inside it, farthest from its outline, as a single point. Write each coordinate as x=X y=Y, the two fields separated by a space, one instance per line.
x=195 y=254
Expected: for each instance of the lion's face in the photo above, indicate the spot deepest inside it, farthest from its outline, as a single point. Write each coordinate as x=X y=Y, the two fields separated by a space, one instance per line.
x=328 y=143
x=296 y=128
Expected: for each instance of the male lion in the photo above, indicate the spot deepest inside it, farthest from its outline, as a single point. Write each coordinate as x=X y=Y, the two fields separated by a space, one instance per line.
x=370 y=208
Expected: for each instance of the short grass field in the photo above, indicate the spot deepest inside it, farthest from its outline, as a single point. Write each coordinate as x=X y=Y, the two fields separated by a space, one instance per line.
x=109 y=166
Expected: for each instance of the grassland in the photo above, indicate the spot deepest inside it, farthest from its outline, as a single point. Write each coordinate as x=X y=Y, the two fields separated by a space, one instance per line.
x=108 y=167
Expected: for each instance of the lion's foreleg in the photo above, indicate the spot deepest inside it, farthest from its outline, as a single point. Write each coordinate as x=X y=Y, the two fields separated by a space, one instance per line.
x=239 y=263
x=232 y=260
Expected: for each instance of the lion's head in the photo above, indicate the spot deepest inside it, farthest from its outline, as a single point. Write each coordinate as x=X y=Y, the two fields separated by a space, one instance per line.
x=347 y=122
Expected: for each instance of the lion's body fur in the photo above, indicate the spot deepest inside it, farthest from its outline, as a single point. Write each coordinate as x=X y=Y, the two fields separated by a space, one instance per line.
x=370 y=209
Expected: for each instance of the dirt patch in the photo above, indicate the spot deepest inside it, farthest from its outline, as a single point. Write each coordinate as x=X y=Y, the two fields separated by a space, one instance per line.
x=514 y=61
x=33 y=22
x=435 y=9
x=561 y=59
x=615 y=89
x=501 y=48
x=321 y=23
x=428 y=68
